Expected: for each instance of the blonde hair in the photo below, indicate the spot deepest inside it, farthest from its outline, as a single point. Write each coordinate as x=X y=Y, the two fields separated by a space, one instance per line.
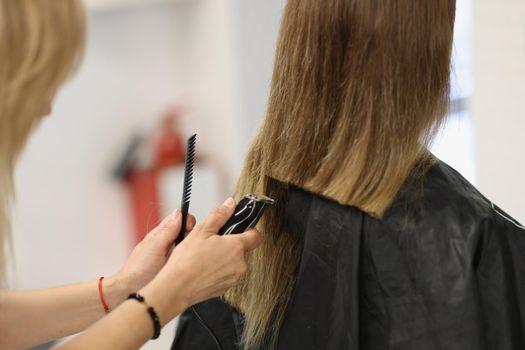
x=358 y=91
x=41 y=42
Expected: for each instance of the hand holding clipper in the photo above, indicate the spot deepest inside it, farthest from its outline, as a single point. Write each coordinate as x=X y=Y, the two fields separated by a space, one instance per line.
x=247 y=213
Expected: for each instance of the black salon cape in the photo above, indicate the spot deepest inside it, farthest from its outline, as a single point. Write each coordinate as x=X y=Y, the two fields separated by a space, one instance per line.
x=444 y=269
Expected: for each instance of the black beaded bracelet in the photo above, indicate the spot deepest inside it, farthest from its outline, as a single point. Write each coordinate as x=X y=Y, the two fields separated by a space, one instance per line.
x=151 y=311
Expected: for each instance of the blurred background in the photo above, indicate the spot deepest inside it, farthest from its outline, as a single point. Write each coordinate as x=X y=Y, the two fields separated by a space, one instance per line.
x=106 y=164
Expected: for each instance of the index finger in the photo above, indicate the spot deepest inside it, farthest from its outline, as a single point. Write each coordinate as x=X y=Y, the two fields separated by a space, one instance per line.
x=250 y=239
x=218 y=217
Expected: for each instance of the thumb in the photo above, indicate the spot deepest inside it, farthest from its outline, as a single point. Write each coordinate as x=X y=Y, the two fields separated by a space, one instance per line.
x=218 y=217
x=250 y=239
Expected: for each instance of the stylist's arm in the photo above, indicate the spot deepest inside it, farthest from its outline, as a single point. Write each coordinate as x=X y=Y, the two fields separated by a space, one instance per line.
x=203 y=266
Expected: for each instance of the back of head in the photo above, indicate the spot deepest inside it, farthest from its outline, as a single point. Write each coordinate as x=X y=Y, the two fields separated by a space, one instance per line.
x=41 y=42
x=358 y=91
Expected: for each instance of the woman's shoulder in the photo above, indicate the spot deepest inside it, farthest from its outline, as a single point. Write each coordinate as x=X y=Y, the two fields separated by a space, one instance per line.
x=442 y=198
x=443 y=189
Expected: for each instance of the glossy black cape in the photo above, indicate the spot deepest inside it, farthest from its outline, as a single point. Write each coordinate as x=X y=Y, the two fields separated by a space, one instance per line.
x=444 y=269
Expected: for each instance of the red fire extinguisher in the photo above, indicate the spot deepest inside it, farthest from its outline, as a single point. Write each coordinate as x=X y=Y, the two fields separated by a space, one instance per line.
x=144 y=159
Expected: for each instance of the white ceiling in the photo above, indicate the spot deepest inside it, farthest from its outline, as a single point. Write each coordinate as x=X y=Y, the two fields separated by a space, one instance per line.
x=112 y=4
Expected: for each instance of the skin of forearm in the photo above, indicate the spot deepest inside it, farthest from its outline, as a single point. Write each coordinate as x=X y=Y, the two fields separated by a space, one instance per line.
x=29 y=318
x=130 y=326
x=127 y=327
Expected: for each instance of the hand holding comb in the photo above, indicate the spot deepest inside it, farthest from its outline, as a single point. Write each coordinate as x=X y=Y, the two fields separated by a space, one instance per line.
x=186 y=190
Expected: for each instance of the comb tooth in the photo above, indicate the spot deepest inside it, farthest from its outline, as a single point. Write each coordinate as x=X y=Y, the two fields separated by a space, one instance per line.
x=186 y=195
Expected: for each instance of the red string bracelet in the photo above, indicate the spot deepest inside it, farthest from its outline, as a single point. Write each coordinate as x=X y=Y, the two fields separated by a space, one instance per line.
x=104 y=304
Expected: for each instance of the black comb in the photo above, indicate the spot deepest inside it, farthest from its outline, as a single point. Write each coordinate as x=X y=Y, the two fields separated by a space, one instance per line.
x=186 y=190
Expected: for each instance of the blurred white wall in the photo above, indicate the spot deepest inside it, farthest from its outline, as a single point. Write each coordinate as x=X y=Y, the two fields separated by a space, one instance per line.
x=499 y=102
x=456 y=143
x=258 y=25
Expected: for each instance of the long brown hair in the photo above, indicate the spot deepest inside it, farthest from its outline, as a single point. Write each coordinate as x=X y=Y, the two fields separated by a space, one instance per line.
x=41 y=41
x=358 y=91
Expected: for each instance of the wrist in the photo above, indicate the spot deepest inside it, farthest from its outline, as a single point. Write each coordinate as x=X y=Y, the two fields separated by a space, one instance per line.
x=116 y=289
x=166 y=297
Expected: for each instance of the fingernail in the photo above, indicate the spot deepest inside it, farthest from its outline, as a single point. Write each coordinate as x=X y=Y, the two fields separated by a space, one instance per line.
x=176 y=215
x=229 y=203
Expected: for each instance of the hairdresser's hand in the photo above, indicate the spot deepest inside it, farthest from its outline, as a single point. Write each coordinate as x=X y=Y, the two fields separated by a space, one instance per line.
x=203 y=266
x=150 y=255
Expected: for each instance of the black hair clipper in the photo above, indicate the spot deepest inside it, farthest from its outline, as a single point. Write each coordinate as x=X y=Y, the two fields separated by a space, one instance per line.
x=247 y=213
